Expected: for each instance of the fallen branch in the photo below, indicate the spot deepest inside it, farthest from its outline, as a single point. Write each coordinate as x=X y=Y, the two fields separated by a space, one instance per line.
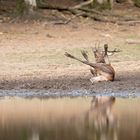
x=132 y=22
x=78 y=10
x=130 y=41
x=98 y=12
x=68 y=20
x=98 y=18
x=82 y=4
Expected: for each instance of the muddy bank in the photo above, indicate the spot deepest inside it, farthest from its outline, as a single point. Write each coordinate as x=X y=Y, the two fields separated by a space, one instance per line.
x=42 y=94
x=71 y=85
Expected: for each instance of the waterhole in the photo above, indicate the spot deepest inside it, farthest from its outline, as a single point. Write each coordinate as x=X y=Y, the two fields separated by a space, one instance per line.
x=69 y=118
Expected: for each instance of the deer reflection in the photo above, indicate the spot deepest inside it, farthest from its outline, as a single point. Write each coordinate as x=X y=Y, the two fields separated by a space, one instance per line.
x=34 y=135
x=100 y=117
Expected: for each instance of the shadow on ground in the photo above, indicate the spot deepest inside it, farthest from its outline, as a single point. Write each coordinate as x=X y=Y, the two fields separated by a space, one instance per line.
x=125 y=82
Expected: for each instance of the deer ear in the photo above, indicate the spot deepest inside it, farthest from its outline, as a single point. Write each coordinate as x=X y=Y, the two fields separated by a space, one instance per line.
x=94 y=49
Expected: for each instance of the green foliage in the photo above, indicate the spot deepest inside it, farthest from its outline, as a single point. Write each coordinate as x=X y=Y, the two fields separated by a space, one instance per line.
x=103 y=6
x=20 y=7
x=23 y=8
x=137 y=3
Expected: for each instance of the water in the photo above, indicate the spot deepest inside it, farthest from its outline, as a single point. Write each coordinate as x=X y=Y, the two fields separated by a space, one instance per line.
x=75 y=118
x=73 y=93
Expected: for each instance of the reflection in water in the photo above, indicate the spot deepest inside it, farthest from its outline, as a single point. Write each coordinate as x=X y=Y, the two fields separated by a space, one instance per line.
x=97 y=118
x=104 y=122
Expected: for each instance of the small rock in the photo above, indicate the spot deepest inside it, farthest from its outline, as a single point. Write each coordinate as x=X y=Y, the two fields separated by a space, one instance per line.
x=49 y=36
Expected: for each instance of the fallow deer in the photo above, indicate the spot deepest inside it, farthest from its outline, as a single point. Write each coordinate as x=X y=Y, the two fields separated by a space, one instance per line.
x=101 y=112
x=101 y=70
x=101 y=117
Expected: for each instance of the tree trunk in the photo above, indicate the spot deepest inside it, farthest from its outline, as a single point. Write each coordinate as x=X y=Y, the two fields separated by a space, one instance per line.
x=31 y=3
x=30 y=6
x=25 y=7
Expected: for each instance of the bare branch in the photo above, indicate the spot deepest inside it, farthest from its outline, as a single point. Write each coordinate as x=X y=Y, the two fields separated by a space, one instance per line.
x=131 y=41
x=82 y=4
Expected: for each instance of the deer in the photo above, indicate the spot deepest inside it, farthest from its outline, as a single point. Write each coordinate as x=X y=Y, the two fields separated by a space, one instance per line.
x=102 y=114
x=100 y=69
x=100 y=118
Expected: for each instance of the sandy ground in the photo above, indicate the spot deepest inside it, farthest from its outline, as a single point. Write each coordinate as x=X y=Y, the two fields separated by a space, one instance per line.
x=32 y=55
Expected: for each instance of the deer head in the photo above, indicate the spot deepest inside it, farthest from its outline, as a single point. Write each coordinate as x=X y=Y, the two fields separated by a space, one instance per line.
x=101 y=55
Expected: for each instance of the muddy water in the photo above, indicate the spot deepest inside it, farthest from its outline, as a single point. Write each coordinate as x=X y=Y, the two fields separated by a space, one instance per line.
x=79 y=118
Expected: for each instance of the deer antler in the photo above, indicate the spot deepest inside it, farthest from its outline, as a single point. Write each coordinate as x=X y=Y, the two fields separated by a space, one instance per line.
x=69 y=55
x=114 y=51
x=106 y=49
x=73 y=57
x=84 y=53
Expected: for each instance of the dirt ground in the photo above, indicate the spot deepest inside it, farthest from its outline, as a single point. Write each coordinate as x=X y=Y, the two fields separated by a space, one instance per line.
x=32 y=55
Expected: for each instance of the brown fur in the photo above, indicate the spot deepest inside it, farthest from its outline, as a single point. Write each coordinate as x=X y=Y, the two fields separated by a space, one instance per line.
x=100 y=69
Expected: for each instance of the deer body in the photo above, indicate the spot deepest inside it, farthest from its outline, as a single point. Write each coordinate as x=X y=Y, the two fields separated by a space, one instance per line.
x=104 y=75
x=101 y=110
x=101 y=70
